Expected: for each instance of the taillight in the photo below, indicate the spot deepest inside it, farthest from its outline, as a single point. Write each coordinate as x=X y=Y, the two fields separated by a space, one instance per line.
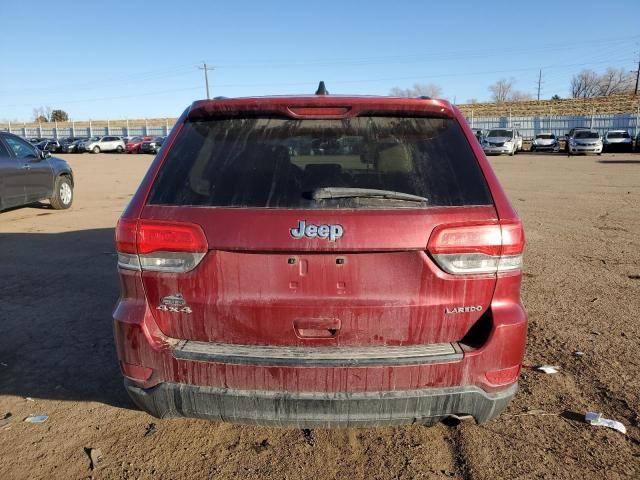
x=152 y=245
x=478 y=249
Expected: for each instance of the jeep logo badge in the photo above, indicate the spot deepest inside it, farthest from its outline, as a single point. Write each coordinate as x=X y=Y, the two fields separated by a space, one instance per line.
x=331 y=232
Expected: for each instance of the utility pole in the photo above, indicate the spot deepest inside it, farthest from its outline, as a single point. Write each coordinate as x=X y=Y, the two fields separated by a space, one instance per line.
x=206 y=77
x=539 y=83
x=637 y=76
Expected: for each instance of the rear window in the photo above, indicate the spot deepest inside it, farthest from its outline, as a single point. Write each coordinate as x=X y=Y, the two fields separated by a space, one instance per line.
x=586 y=134
x=500 y=133
x=285 y=163
x=618 y=135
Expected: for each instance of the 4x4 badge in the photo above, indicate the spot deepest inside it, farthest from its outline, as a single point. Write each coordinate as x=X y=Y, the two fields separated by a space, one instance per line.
x=174 y=303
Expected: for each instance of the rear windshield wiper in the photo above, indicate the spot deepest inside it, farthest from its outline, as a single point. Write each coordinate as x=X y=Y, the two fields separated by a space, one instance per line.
x=347 y=192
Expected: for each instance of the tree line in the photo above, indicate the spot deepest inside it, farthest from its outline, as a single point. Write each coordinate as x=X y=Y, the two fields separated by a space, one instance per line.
x=585 y=84
x=47 y=114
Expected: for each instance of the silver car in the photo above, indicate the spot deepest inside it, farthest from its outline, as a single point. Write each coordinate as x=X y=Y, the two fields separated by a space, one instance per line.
x=619 y=140
x=545 y=142
x=103 y=144
x=502 y=140
x=585 y=141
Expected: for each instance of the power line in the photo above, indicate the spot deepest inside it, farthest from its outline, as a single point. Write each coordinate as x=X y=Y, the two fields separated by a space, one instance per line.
x=183 y=70
x=175 y=71
x=306 y=83
x=411 y=58
x=98 y=99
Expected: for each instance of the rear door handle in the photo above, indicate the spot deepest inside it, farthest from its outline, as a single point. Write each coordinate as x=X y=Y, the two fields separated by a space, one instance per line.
x=26 y=166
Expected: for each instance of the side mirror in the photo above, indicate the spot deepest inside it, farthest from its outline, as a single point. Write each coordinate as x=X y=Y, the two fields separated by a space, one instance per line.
x=44 y=154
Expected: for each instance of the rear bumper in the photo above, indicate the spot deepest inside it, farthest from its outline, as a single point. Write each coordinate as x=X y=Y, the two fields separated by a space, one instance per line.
x=310 y=409
x=586 y=149
x=546 y=148
x=280 y=384
x=618 y=146
x=497 y=150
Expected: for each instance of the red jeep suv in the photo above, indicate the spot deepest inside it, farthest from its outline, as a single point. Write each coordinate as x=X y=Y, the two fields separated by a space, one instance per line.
x=320 y=261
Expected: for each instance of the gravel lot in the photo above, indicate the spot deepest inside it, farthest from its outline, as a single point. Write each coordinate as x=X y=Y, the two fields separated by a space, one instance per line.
x=582 y=290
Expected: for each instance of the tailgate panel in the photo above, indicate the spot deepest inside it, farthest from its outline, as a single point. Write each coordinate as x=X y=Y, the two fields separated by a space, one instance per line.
x=352 y=292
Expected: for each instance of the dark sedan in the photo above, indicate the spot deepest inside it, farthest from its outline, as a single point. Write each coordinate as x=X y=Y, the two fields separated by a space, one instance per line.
x=152 y=146
x=70 y=145
x=30 y=175
x=50 y=146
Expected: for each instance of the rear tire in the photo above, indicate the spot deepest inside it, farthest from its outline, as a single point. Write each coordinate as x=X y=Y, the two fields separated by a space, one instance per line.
x=119 y=149
x=96 y=150
x=62 y=194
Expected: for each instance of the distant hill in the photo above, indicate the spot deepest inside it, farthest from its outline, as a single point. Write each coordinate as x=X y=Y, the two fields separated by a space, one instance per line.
x=565 y=107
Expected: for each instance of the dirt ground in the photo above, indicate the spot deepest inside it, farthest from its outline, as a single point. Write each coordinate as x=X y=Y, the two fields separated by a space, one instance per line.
x=582 y=289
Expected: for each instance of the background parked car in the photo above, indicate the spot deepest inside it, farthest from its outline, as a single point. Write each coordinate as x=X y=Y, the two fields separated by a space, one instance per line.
x=35 y=140
x=570 y=134
x=502 y=140
x=51 y=146
x=103 y=144
x=585 y=141
x=545 y=142
x=152 y=146
x=83 y=144
x=29 y=175
x=133 y=145
x=70 y=144
x=617 y=140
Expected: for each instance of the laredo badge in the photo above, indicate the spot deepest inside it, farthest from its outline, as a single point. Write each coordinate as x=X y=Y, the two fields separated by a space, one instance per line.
x=174 y=304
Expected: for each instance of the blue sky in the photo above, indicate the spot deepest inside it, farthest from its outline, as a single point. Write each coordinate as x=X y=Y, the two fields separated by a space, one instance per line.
x=111 y=60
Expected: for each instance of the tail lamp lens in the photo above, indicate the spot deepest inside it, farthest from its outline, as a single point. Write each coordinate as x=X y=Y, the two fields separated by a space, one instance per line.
x=478 y=249
x=170 y=237
x=151 y=245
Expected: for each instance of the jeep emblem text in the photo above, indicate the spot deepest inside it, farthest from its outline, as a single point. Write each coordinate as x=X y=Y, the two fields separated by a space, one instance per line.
x=332 y=232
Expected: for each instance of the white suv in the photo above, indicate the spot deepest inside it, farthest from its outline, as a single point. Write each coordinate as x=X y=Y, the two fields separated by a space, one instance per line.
x=502 y=140
x=103 y=144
